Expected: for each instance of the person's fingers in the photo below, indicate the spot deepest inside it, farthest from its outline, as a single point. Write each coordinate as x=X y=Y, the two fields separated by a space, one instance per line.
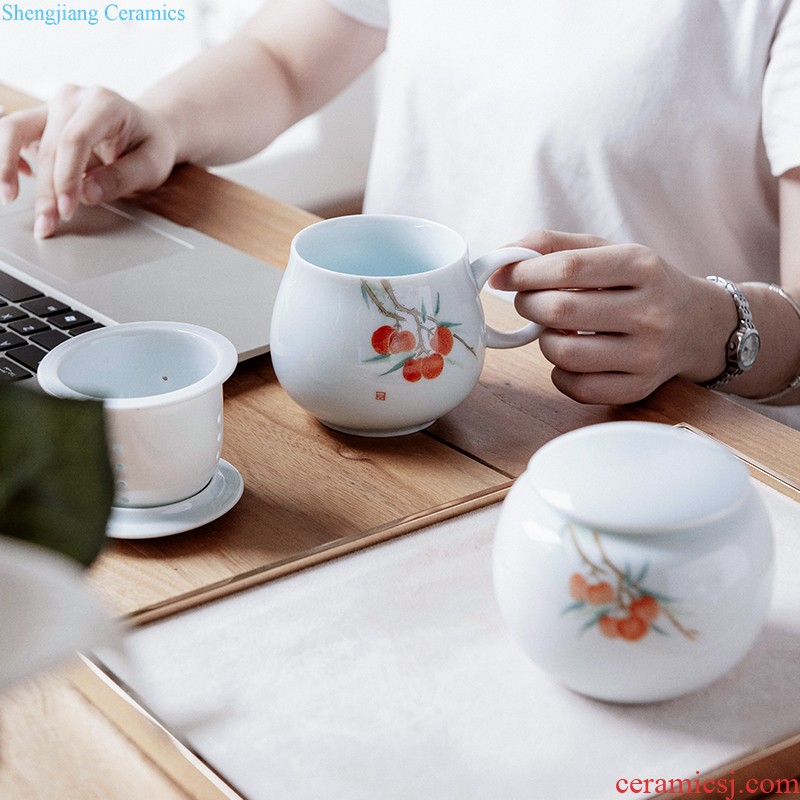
x=596 y=310
x=544 y=242
x=600 y=388
x=613 y=314
x=549 y=241
x=601 y=352
x=24 y=167
x=80 y=120
x=46 y=210
x=100 y=121
x=18 y=131
x=591 y=267
x=95 y=146
x=145 y=167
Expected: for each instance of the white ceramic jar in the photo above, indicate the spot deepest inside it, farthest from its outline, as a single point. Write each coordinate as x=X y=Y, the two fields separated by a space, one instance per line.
x=633 y=561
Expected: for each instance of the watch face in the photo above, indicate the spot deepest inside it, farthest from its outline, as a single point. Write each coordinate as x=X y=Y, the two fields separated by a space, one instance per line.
x=748 y=349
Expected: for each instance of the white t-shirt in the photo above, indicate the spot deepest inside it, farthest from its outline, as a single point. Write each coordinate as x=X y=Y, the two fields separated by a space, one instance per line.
x=660 y=122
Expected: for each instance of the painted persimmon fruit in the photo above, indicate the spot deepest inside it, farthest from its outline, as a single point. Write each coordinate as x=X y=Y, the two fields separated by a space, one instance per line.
x=402 y=342
x=412 y=370
x=432 y=366
x=442 y=340
x=609 y=626
x=578 y=587
x=632 y=628
x=646 y=608
x=599 y=593
x=381 y=338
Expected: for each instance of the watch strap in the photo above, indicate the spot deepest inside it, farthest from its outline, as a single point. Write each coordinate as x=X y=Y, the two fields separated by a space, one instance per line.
x=745 y=324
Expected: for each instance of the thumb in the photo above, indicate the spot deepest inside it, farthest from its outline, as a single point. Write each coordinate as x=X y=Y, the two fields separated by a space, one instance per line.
x=133 y=172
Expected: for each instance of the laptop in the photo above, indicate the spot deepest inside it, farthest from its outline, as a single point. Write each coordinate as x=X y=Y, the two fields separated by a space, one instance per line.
x=118 y=263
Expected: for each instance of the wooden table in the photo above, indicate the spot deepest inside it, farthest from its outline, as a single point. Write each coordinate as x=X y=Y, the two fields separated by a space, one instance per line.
x=311 y=493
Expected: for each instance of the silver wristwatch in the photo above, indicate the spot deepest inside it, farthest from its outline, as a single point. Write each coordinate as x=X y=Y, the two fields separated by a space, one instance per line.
x=744 y=343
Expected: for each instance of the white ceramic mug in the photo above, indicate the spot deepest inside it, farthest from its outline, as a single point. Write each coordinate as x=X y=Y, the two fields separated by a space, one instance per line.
x=378 y=327
x=161 y=387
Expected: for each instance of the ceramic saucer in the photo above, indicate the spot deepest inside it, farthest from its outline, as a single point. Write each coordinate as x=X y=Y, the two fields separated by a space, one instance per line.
x=220 y=495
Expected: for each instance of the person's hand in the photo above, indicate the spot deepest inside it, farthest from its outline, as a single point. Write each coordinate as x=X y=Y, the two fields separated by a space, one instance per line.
x=89 y=145
x=619 y=321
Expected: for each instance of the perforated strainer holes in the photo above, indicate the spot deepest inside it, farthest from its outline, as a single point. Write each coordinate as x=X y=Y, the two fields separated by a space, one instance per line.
x=119 y=469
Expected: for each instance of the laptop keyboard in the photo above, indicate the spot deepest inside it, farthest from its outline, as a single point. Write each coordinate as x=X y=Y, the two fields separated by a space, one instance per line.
x=31 y=324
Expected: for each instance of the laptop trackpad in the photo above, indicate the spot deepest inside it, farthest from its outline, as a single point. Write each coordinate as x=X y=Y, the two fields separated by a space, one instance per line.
x=95 y=242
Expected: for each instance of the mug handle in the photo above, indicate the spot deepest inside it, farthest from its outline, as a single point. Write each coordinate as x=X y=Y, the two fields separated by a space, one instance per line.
x=482 y=269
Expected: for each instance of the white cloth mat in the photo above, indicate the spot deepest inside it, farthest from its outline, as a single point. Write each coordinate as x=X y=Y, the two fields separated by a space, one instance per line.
x=388 y=674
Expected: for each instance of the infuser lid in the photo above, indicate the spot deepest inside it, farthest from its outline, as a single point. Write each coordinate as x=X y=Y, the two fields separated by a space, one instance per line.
x=637 y=477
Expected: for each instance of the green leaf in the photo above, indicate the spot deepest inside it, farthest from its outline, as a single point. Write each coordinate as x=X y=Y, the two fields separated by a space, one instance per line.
x=56 y=484
x=398 y=365
x=596 y=617
x=438 y=305
x=628 y=577
x=658 y=629
x=383 y=357
x=662 y=598
x=574 y=606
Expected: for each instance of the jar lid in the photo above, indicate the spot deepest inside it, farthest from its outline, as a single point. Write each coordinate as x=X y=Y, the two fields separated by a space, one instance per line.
x=637 y=477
